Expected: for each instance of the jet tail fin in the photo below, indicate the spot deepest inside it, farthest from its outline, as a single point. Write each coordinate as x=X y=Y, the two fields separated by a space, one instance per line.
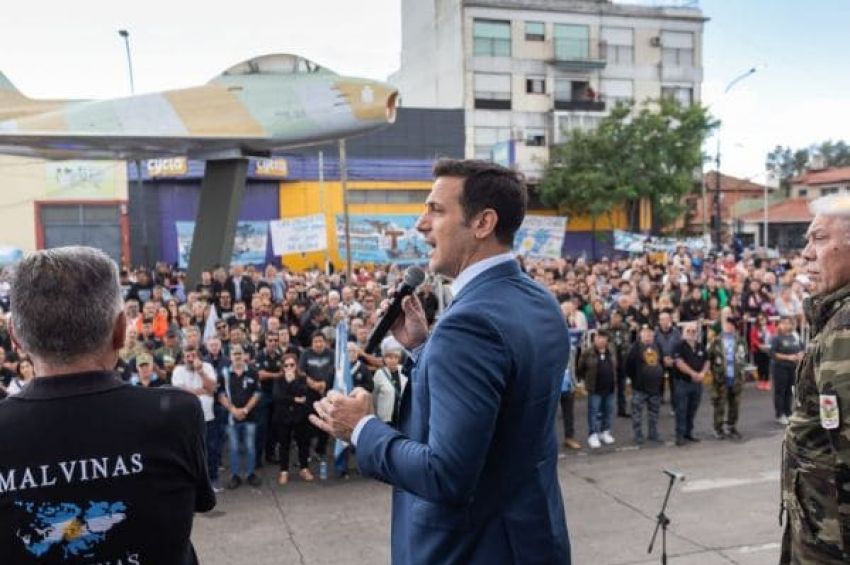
x=14 y=104
x=7 y=88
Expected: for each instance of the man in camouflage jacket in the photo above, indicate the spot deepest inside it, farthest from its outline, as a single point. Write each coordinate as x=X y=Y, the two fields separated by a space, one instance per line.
x=816 y=452
x=727 y=356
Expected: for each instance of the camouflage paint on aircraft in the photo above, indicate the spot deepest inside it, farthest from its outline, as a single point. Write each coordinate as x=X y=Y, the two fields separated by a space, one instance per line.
x=266 y=103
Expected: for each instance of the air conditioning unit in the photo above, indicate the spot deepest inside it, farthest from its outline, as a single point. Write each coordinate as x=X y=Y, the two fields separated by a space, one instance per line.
x=655 y=41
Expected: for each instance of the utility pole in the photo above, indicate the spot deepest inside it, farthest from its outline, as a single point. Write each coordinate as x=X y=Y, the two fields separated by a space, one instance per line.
x=140 y=187
x=717 y=220
x=343 y=180
x=322 y=207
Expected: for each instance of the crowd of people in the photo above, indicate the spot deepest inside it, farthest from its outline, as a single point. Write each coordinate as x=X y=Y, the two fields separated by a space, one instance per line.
x=672 y=324
x=257 y=346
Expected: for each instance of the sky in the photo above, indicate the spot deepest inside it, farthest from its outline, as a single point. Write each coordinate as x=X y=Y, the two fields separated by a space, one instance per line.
x=800 y=95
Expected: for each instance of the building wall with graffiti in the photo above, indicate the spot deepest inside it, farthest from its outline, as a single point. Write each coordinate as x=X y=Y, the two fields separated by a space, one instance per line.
x=45 y=202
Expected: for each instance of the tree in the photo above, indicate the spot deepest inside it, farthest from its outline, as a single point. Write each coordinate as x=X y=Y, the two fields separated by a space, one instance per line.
x=786 y=163
x=649 y=153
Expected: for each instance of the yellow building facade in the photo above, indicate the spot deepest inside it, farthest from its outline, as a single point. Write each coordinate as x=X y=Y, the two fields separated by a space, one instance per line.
x=304 y=198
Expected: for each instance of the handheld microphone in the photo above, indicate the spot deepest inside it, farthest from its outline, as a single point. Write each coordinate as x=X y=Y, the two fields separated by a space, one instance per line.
x=413 y=277
x=674 y=475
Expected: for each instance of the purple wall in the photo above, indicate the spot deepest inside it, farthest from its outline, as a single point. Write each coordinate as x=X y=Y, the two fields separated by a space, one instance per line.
x=577 y=243
x=178 y=201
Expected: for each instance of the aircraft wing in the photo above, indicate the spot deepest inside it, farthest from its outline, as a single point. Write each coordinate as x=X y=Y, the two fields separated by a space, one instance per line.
x=68 y=146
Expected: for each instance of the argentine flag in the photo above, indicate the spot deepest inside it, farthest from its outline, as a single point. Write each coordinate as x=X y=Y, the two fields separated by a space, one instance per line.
x=343 y=384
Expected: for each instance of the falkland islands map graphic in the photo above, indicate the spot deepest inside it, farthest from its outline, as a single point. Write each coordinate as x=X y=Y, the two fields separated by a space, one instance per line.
x=67 y=527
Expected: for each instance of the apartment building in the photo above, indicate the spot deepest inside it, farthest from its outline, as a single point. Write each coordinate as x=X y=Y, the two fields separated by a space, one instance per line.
x=528 y=72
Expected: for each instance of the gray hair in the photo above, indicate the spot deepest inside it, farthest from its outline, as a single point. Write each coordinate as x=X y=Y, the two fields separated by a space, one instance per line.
x=65 y=302
x=835 y=206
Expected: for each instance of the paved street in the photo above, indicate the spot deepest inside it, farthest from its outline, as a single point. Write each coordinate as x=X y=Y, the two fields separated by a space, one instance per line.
x=725 y=512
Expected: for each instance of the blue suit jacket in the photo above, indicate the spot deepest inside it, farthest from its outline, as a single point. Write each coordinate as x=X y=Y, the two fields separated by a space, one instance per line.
x=474 y=464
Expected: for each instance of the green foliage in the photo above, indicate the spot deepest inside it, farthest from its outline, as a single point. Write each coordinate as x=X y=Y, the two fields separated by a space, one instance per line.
x=651 y=152
x=786 y=163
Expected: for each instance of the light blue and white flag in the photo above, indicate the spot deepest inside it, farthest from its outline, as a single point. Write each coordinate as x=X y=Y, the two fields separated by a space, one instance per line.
x=343 y=384
x=342 y=366
x=209 y=327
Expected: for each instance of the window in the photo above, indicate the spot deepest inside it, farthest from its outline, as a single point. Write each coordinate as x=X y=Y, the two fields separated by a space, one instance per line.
x=492 y=91
x=682 y=94
x=619 y=45
x=566 y=123
x=487 y=137
x=392 y=196
x=491 y=38
x=616 y=90
x=829 y=190
x=572 y=42
x=535 y=84
x=535 y=137
x=568 y=90
x=535 y=31
x=802 y=193
x=677 y=48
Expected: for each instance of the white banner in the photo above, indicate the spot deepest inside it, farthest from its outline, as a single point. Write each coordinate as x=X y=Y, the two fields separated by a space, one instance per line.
x=299 y=235
x=541 y=236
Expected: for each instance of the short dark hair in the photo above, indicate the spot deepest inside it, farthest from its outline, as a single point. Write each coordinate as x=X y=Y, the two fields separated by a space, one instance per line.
x=487 y=185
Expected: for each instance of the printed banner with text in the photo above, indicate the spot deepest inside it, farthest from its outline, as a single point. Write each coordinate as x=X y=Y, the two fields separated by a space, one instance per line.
x=249 y=245
x=383 y=239
x=299 y=235
x=640 y=243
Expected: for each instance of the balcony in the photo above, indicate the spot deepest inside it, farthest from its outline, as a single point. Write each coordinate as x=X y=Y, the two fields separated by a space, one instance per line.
x=580 y=105
x=574 y=56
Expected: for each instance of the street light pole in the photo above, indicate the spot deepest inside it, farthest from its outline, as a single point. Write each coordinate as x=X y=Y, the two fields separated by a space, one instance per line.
x=125 y=35
x=718 y=232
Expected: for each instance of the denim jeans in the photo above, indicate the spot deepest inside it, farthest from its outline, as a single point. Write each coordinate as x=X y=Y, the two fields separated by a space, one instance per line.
x=242 y=435
x=686 y=396
x=599 y=410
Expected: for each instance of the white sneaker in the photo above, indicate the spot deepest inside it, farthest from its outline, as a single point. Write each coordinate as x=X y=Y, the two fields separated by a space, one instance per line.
x=782 y=420
x=593 y=441
x=607 y=438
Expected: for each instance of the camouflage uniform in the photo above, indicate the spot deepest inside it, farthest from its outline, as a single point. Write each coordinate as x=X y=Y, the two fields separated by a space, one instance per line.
x=816 y=452
x=725 y=399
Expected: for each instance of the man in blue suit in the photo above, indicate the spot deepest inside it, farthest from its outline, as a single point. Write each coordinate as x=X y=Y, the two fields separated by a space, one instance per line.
x=473 y=463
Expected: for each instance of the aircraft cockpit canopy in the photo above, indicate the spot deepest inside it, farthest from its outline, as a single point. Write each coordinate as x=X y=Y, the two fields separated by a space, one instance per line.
x=275 y=64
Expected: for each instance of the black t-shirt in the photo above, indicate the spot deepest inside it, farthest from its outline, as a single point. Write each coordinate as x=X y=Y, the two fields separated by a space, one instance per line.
x=318 y=366
x=692 y=309
x=787 y=345
x=240 y=388
x=645 y=368
x=604 y=373
x=271 y=362
x=102 y=472
x=694 y=357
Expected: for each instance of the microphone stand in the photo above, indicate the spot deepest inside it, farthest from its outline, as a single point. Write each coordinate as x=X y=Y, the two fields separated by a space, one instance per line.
x=662 y=521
